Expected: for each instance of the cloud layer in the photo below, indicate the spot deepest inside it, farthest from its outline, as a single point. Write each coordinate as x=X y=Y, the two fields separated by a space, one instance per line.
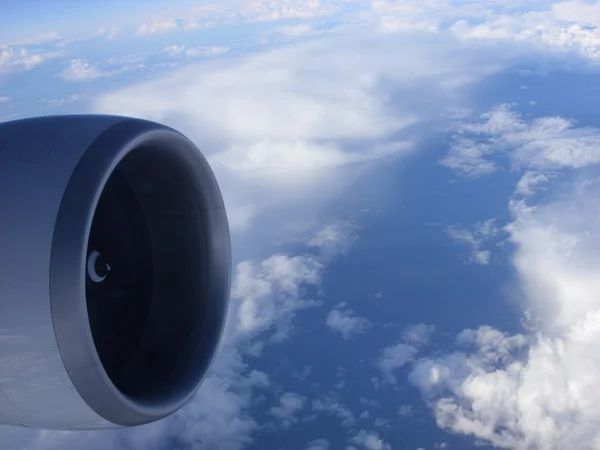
x=537 y=389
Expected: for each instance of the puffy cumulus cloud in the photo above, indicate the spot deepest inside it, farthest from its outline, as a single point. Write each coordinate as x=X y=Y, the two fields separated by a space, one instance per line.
x=79 y=69
x=413 y=339
x=268 y=293
x=545 y=143
x=568 y=26
x=297 y=125
x=290 y=404
x=393 y=357
x=475 y=238
x=22 y=58
x=369 y=441
x=345 y=321
x=467 y=157
x=548 y=30
x=538 y=389
x=530 y=182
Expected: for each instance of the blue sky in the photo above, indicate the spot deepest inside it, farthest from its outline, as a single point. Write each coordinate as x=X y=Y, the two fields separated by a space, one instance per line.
x=412 y=192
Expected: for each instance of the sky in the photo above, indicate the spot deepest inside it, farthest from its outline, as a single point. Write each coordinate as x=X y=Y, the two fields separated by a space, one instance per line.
x=412 y=190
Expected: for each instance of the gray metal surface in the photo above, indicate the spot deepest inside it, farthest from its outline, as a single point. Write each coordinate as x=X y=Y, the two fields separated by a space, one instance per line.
x=52 y=171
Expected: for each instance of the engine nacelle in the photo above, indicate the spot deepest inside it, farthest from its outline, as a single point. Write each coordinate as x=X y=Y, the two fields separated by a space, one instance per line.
x=115 y=266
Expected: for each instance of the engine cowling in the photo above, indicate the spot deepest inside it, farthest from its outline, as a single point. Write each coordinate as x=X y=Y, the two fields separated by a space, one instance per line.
x=115 y=266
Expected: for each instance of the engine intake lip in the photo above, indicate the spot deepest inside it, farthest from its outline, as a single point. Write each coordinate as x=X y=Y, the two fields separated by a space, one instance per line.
x=150 y=397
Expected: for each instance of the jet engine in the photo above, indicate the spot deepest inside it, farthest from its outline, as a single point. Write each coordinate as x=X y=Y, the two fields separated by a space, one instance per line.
x=115 y=266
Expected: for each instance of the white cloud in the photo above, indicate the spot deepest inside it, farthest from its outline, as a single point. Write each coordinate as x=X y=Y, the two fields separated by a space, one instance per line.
x=335 y=237
x=529 y=182
x=544 y=143
x=174 y=50
x=475 y=238
x=269 y=293
x=418 y=334
x=158 y=25
x=290 y=404
x=537 y=390
x=562 y=28
x=271 y=10
x=331 y=405
x=4 y=99
x=369 y=441
x=394 y=357
x=296 y=126
x=318 y=444
x=569 y=26
x=467 y=157
x=79 y=70
x=345 y=321
x=22 y=58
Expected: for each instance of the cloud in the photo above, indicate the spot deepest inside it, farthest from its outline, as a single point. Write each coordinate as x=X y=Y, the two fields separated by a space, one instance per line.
x=418 y=334
x=561 y=28
x=318 y=444
x=568 y=26
x=79 y=70
x=269 y=10
x=23 y=58
x=369 y=441
x=335 y=237
x=159 y=25
x=467 y=157
x=334 y=407
x=346 y=322
x=529 y=182
x=475 y=238
x=175 y=50
x=394 y=357
x=295 y=126
x=269 y=293
x=533 y=390
x=4 y=99
x=289 y=405
x=545 y=143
